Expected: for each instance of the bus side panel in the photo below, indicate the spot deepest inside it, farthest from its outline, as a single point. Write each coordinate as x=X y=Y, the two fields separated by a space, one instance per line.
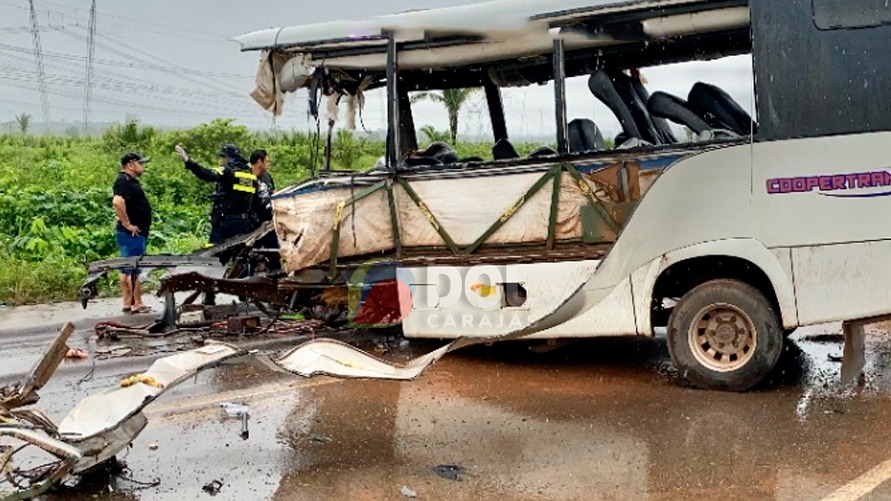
x=843 y=282
x=453 y=301
x=613 y=316
x=826 y=199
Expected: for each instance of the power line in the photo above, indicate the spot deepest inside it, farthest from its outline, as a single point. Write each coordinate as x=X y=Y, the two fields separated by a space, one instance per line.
x=129 y=83
x=112 y=62
x=88 y=80
x=38 y=53
x=69 y=81
x=170 y=29
x=128 y=105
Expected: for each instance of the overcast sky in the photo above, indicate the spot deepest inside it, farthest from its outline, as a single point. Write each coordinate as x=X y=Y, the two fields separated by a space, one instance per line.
x=172 y=63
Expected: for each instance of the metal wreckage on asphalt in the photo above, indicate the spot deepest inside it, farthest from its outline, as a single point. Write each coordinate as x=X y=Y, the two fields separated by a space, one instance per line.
x=37 y=454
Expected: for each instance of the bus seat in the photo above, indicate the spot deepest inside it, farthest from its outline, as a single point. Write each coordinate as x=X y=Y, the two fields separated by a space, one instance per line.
x=584 y=135
x=666 y=136
x=664 y=105
x=543 y=151
x=503 y=150
x=601 y=85
x=719 y=109
x=627 y=93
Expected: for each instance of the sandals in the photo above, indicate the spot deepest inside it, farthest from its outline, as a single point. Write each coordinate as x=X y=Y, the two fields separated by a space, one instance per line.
x=141 y=309
x=125 y=309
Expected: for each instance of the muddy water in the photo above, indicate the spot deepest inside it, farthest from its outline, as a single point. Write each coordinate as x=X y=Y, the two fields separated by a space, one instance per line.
x=600 y=419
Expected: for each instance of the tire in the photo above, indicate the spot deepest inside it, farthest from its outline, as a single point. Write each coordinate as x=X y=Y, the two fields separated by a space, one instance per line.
x=724 y=335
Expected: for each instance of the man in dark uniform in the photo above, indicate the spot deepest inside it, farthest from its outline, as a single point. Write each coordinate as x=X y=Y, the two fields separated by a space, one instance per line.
x=236 y=186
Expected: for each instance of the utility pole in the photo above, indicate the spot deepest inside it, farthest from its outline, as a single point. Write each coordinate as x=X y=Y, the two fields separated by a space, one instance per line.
x=38 y=54
x=88 y=81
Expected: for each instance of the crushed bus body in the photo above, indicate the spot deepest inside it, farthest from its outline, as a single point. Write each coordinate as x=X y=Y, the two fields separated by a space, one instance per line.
x=590 y=236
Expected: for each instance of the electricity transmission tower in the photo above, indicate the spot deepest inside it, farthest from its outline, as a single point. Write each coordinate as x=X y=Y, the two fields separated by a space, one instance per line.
x=88 y=81
x=38 y=54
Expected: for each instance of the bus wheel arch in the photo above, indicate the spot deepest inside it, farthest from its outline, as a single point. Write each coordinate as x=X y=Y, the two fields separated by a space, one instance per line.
x=683 y=276
x=723 y=320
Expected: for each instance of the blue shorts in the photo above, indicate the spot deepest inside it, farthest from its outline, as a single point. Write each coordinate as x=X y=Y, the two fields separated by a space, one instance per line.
x=130 y=246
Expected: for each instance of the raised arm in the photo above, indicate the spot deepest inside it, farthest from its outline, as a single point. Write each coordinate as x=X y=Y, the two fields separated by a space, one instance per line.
x=214 y=175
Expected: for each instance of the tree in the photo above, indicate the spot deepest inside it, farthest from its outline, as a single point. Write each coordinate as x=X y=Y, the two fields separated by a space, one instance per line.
x=453 y=100
x=434 y=135
x=24 y=121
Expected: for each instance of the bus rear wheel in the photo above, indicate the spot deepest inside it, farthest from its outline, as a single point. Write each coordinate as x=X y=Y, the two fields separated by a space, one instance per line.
x=724 y=335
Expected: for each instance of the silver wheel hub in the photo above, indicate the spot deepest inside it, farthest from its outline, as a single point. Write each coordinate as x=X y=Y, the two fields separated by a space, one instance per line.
x=722 y=337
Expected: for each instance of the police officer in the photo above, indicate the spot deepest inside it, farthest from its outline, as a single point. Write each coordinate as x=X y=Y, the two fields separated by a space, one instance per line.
x=236 y=188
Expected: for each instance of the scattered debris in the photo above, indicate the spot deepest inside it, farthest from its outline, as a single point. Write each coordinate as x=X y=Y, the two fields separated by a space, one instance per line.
x=408 y=492
x=153 y=447
x=320 y=439
x=76 y=354
x=113 y=351
x=213 y=487
x=235 y=410
x=140 y=378
x=450 y=471
x=834 y=358
x=239 y=411
x=242 y=325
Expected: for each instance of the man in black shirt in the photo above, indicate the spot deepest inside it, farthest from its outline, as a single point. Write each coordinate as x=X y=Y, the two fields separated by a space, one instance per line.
x=263 y=205
x=132 y=229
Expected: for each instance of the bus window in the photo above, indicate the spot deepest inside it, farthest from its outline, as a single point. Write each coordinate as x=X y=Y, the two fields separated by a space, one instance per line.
x=846 y=14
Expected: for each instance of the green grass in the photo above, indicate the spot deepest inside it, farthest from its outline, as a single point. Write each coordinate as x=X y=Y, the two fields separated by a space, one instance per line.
x=55 y=196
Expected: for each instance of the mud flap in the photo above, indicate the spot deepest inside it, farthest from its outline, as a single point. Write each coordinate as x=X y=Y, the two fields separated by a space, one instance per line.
x=854 y=359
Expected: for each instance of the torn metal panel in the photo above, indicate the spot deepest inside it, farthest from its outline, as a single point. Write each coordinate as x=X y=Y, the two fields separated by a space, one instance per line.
x=259 y=288
x=334 y=358
x=97 y=270
x=26 y=392
x=107 y=410
x=104 y=446
x=54 y=473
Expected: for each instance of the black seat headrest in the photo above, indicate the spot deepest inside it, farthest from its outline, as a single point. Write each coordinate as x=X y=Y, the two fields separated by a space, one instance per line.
x=601 y=85
x=584 y=135
x=543 y=151
x=503 y=150
x=662 y=104
x=719 y=109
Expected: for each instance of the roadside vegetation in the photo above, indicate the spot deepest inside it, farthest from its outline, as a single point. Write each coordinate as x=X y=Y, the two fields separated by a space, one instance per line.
x=55 y=195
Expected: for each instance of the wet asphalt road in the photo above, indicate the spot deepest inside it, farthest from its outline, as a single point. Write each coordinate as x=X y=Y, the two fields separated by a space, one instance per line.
x=599 y=419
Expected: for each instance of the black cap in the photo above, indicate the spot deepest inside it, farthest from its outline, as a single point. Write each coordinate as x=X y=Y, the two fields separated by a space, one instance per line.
x=134 y=157
x=229 y=150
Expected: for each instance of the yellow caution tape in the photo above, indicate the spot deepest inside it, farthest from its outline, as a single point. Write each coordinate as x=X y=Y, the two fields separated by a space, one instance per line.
x=338 y=214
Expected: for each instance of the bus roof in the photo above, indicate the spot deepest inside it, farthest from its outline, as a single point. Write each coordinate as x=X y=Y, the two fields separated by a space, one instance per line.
x=523 y=27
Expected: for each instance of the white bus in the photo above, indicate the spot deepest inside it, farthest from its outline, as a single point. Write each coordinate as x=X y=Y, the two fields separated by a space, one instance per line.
x=767 y=219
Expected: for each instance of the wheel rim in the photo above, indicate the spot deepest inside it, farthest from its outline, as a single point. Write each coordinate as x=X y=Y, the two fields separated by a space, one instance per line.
x=722 y=337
